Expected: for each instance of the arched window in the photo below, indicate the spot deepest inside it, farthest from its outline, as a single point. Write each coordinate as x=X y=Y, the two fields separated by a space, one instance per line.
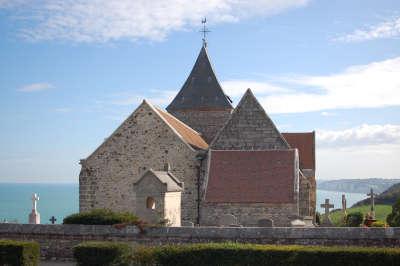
x=150 y=203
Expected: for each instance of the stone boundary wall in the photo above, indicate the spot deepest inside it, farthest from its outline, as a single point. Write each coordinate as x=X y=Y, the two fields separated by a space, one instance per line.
x=56 y=241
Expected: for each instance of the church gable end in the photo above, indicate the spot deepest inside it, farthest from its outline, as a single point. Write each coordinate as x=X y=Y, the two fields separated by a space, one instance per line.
x=144 y=140
x=249 y=128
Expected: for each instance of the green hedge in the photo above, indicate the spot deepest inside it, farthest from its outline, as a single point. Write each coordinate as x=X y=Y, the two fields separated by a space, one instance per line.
x=101 y=217
x=102 y=253
x=249 y=254
x=19 y=253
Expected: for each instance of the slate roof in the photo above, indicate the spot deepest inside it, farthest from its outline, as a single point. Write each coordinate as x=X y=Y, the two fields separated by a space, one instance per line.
x=201 y=91
x=187 y=133
x=172 y=183
x=266 y=176
x=305 y=143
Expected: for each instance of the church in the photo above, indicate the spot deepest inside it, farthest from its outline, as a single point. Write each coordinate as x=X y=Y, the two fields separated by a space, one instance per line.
x=202 y=159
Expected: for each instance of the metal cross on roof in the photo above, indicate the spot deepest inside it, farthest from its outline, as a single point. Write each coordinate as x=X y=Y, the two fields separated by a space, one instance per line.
x=204 y=31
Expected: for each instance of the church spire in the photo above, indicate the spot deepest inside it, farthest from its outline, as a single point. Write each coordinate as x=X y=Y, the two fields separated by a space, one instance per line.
x=201 y=91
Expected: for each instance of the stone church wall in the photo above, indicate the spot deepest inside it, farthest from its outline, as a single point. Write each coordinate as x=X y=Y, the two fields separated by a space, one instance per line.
x=143 y=141
x=248 y=214
x=208 y=123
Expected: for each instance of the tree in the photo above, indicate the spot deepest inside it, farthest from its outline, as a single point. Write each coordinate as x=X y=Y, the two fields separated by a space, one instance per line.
x=354 y=219
x=393 y=219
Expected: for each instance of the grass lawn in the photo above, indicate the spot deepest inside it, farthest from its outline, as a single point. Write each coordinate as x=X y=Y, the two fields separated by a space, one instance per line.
x=381 y=211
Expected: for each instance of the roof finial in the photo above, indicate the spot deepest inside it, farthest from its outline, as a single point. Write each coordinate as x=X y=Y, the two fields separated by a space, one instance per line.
x=204 y=31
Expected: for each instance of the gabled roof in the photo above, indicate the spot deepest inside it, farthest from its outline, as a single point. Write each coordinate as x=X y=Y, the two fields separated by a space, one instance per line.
x=191 y=136
x=305 y=143
x=201 y=91
x=265 y=176
x=171 y=182
x=186 y=134
x=249 y=128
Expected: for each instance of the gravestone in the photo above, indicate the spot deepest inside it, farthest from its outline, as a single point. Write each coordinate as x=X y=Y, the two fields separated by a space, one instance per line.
x=228 y=220
x=265 y=223
x=309 y=221
x=298 y=223
x=327 y=220
x=187 y=224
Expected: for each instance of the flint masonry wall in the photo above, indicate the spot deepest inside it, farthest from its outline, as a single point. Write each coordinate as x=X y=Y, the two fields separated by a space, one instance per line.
x=56 y=241
x=208 y=123
x=248 y=214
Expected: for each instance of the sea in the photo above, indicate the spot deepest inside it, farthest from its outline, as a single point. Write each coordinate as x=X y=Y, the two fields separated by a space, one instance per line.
x=60 y=200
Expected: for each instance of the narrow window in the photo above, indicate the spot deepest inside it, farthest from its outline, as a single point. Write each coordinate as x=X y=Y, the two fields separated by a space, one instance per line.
x=150 y=203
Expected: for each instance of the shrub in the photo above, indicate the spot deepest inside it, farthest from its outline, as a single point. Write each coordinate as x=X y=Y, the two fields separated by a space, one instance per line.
x=317 y=218
x=102 y=253
x=249 y=254
x=354 y=219
x=393 y=219
x=19 y=253
x=101 y=217
x=378 y=224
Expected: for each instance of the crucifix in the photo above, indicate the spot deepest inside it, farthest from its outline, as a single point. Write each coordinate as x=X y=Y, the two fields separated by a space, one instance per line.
x=53 y=220
x=372 y=195
x=35 y=199
x=327 y=206
x=204 y=31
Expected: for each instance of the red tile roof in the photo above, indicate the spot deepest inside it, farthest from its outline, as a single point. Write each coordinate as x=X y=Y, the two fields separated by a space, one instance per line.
x=187 y=133
x=305 y=143
x=265 y=176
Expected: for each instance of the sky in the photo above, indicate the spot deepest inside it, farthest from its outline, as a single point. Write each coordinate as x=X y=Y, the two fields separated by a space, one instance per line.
x=72 y=70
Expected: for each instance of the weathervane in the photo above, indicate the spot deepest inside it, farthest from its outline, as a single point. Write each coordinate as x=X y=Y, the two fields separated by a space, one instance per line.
x=204 y=31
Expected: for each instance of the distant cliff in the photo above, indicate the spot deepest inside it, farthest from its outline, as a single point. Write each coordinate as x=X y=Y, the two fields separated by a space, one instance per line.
x=357 y=185
x=388 y=197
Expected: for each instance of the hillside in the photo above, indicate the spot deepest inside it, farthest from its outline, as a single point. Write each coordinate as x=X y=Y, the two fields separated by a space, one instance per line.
x=357 y=185
x=388 y=197
x=381 y=212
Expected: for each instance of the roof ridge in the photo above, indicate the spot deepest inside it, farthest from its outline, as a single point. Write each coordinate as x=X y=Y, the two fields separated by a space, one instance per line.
x=191 y=141
x=176 y=119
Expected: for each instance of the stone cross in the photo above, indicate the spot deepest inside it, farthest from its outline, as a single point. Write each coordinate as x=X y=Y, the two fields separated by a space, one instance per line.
x=327 y=206
x=327 y=221
x=53 y=220
x=34 y=216
x=372 y=195
x=35 y=199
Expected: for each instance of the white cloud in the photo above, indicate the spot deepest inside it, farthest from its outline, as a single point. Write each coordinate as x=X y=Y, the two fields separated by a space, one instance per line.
x=361 y=162
x=157 y=97
x=366 y=86
x=327 y=113
x=385 y=30
x=63 y=110
x=360 y=152
x=237 y=88
x=364 y=135
x=36 y=87
x=105 y=20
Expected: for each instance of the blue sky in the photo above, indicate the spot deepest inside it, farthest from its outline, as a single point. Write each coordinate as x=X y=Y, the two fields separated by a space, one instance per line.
x=72 y=70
